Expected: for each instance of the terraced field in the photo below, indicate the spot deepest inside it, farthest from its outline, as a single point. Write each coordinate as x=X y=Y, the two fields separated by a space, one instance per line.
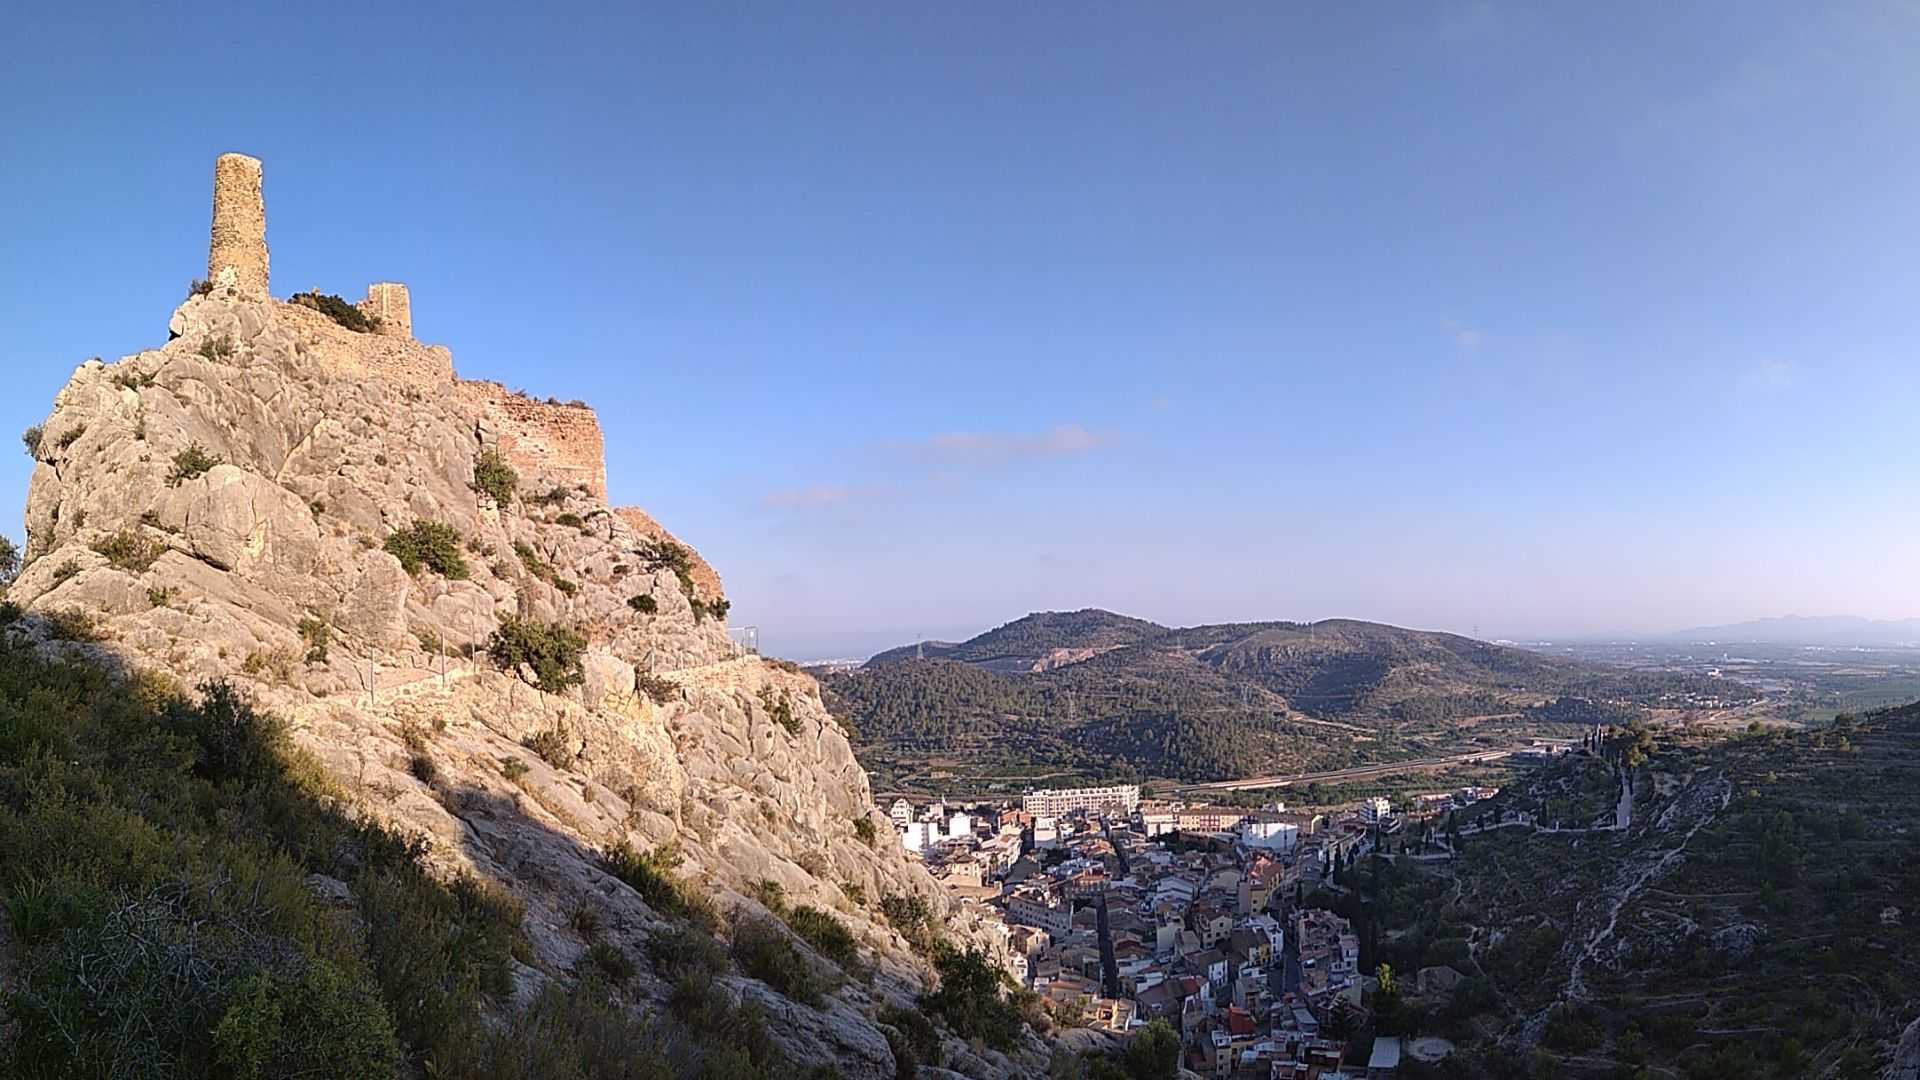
x=1760 y=917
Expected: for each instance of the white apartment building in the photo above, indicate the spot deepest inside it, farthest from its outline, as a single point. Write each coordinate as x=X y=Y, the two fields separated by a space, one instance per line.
x=1375 y=810
x=959 y=826
x=919 y=836
x=1270 y=835
x=1118 y=799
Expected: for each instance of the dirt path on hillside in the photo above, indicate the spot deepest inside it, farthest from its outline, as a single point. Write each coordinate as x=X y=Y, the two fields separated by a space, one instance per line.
x=1696 y=805
x=1906 y=1058
x=1694 y=809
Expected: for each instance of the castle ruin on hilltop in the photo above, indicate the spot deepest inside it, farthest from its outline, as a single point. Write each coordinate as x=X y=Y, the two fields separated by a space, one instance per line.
x=541 y=438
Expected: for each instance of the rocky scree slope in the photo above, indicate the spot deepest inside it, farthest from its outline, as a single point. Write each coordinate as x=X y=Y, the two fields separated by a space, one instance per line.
x=220 y=508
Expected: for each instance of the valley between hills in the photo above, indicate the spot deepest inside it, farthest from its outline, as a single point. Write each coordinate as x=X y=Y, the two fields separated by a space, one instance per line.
x=1057 y=698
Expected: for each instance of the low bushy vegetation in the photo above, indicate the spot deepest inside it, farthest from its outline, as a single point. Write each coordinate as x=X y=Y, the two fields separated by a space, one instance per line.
x=913 y=1039
x=551 y=652
x=337 y=309
x=315 y=634
x=130 y=551
x=651 y=874
x=972 y=1000
x=189 y=464
x=493 y=477
x=31 y=439
x=765 y=952
x=829 y=937
x=531 y=559
x=554 y=746
x=667 y=555
x=643 y=603
x=156 y=847
x=431 y=545
x=911 y=916
x=779 y=705
x=609 y=962
x=72 y=624
x=661 y=690
x=71 y=436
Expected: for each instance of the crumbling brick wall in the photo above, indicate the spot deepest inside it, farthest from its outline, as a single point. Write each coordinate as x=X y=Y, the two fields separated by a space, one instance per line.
x=545 y=441
x=401 y=359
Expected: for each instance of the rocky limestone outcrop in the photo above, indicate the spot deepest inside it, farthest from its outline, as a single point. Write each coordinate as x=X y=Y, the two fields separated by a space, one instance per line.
x=706 y=579
x=220 y=507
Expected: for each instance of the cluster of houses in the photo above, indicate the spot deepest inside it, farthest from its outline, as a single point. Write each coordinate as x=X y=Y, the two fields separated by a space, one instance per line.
x=1120 y=910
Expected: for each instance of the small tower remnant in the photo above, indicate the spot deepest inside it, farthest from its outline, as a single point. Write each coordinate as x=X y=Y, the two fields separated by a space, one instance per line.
x=237 y=256
x=388 y=302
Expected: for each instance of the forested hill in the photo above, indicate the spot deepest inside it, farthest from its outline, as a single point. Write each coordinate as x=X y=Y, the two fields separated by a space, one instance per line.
x=1102 y=693
x=1747 y=911
x=1043 y=639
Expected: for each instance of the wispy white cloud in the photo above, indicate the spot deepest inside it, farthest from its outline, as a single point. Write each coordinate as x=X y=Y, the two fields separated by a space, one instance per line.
x=1466 y=337
x=817 y=495
x=1769 y=377
x=1060 y=441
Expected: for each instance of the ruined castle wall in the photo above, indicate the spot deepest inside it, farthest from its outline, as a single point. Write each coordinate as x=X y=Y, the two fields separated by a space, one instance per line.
x=237 y=252
x=706 y=580
x=388 y=302
x=400 y=359
x=546 y=443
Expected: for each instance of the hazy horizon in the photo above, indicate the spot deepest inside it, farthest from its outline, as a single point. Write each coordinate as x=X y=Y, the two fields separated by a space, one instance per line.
x=1545 y=324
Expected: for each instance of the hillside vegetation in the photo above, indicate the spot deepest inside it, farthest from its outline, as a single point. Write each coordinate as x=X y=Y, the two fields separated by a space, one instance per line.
x=1093 y=693
x=187 y=895
x=1756 y=917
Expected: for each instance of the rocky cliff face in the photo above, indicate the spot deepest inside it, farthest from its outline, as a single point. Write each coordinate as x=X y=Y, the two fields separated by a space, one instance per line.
x=220 y=508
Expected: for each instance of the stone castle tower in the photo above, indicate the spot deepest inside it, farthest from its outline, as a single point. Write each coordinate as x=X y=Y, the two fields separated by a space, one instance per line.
x=388 y=302
x=237 y=256
x=237 y=253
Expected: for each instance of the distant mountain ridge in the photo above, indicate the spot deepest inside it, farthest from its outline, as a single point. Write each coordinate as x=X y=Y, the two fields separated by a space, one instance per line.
x=1038 y=641
x=1834 y=630
x=1106 y=693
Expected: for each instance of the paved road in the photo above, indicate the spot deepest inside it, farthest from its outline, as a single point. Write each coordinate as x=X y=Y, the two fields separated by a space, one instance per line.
x=1360 y=772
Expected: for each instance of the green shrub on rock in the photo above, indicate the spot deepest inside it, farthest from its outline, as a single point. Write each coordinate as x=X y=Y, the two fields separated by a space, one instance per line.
x=189 y=464
x=430 y=544
x=551 y=651
x=320 y=1024
x=765 y=952
x=335 y=308
x=495 y=478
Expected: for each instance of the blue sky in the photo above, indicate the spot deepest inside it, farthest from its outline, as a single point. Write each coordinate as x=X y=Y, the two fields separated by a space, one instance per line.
x=1536 y=319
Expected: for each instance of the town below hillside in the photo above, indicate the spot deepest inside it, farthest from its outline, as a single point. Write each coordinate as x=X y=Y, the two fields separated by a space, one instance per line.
x=1640 y=902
